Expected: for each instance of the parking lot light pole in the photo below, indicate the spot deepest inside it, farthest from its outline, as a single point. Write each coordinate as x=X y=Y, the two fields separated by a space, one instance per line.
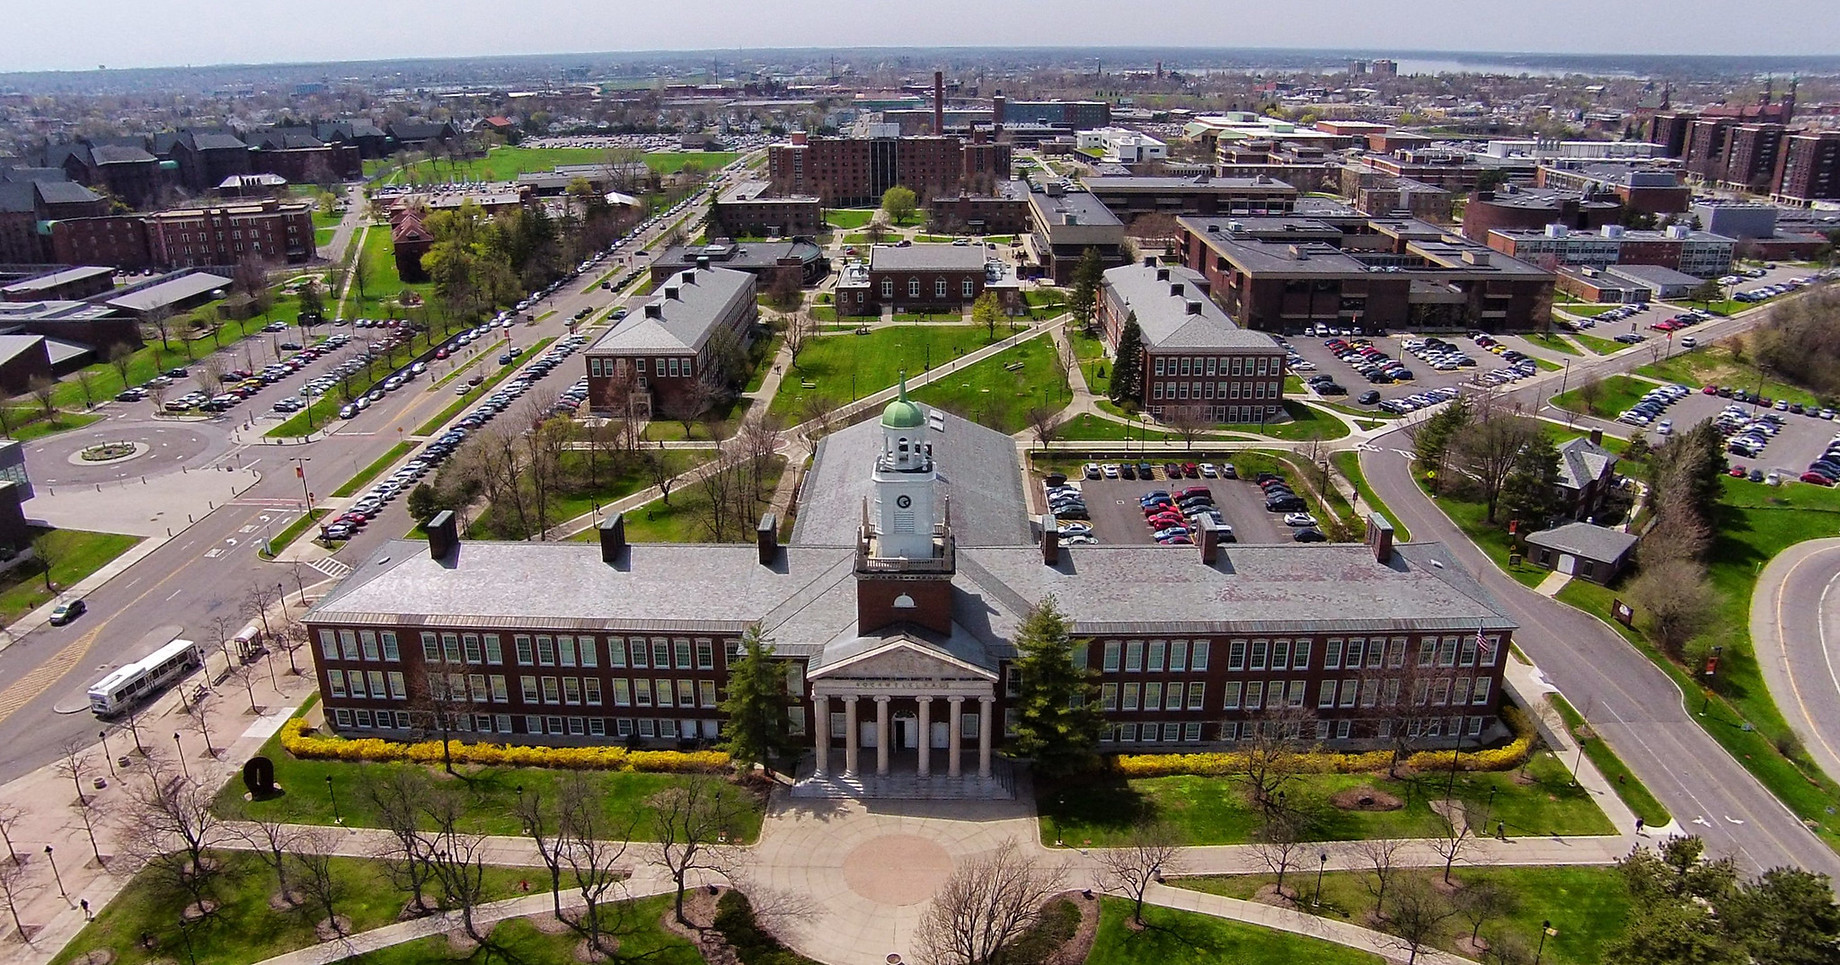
x=300 y=470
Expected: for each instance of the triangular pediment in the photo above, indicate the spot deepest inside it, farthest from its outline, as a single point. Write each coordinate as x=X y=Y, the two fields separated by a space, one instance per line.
x=901 y=658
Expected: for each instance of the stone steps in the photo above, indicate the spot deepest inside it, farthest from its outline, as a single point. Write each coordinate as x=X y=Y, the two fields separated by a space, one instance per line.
x=908 y=785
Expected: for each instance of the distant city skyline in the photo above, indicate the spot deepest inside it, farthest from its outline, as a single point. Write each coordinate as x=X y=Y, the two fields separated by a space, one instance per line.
x=174 y=33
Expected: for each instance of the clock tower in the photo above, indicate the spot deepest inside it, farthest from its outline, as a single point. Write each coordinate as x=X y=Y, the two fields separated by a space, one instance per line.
x=905 y=483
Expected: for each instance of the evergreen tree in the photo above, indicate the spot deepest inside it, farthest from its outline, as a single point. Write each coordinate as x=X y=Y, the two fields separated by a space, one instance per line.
x=1059 y=719
x=1088 y=275
x=1431 y=438
x=756 y=704
x=1128 y=367
x=1531 y=491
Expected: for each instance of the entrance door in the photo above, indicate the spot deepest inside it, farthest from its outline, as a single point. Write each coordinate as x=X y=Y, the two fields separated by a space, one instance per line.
x=1567 y=562
x=866 y=734
x=942 y=735
x=903 y=733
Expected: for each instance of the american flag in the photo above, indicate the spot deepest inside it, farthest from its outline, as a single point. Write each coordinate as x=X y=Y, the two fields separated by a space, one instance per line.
x=1484 y=648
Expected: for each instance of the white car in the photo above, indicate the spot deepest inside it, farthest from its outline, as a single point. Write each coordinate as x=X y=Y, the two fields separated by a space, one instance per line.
x=1299 y=519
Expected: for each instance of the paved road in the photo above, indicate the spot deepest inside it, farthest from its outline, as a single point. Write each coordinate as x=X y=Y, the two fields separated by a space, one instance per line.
x=204 y=572
x=1795 y=628
x=1627 y=699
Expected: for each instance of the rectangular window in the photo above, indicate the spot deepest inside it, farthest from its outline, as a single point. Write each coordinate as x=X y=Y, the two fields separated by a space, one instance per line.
x=686 y=693
x=364 y=718
x=1322 y=730
x=500 y=693
x=1111 y=657
x=469 y=645
x=705 y=693
x=639 y=652
x=529 y=685
x=1447 y=652
x=616 y=652
x=376 y=683
x=683 y=653
x=1255 y=694
x=348 y=644
x=571 y=690
x=335 y=682
x=661 y=653
x=1427 y=651
x=576 y=726
x=1396 y=653
x=1332 y=654
x=1108 y=696
x=1392 y=692
x=398 y=689
x=1200 y=656
x=1461 y=694
x=1191 y=731
x=1370 y=691
x=1350 y=686
x=494 y=652
x=1171 y=731
x=968 y=726
x=1130 y=696
x=367 y=643
x=1325 y=694
x=1481 y=695
x=1153 y=695
x=1236 y=655
x=1233 y=692
x=648 y=727
x=1173 y=696
x=1259 y=650
x=1133 y=655
x=1127 y=732
x=1441 y=694
x=565 y=651
x=1492 y=653
x=1421 y=692
x=502 y=723
x=642 y=692
x=622 y=692
x=1475 y=726
x=1178 y=655
x=328 y=645
x=546 y=651
x=390 y=649
x=525 y=656
x=664 y=693
x=1300 y=657
x=597 y=727
x=1295 y=698
x=589 y=656
x=450 y=647
x=594 y=691
x=1357 y=648
x=554 y=724
x=705 y=654
x=1156 y=656
x=1468 y=657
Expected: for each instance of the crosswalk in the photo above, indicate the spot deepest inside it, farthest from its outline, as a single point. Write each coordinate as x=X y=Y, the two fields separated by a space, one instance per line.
x=331 y=567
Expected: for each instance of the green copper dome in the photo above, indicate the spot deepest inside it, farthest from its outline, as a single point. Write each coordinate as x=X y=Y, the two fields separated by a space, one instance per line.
x=902 y=413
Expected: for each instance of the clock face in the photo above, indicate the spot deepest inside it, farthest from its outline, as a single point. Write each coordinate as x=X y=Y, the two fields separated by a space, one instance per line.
x=903 y=501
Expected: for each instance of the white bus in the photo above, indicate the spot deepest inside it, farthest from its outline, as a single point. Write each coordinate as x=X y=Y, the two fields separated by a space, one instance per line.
x=127 y=685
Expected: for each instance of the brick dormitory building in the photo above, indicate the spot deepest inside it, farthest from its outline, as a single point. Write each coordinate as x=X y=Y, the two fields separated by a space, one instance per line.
x=895 y=608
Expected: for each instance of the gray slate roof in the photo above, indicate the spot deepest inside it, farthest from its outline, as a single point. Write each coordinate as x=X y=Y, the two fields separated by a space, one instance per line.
x=1585 y=539
x=1581 y=461
x=687 y=320
x=1165 y=319
x=977 y=472
x=926 y=258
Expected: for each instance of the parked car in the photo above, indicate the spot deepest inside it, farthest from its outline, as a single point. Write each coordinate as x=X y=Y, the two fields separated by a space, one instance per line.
x=67 y=611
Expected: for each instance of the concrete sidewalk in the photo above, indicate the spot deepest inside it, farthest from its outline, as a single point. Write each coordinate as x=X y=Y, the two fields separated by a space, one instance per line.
x=1294 y=922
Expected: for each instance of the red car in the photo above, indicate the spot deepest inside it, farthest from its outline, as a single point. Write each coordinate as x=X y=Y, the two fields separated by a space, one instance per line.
x=1736 y=472
x=1816 y=478
x=1710 y=389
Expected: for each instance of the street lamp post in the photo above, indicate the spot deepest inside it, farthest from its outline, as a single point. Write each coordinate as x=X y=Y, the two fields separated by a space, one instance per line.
x=300 y=470
x=333 y=796
x=1546 y=929
x=54 y=872
x=104 y=737
x=183 y=767
x=1322 y=864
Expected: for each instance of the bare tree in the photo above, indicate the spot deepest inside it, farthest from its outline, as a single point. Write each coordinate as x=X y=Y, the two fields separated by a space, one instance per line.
x=199 y=720
x=121 y=358
x=1457 y=837
x=987 y=903
x=1488 y=449
x=800 y=328
x=168 y=810
x=1479 y=902
x=1419 y=912
x=698 y=395
x=758 y=439
x=75 y=767
x=273 y=842
x=14 y=886
x=208 y=376
x=816 y=412
x=692 y=820
x=1147 y=854
x=311 y=857
x=1590 y=390
x=1280 y=844
x=1270 y=757
x=42 y=388
x=86 y=381
x=9 y=817
x=160 y=318
x=1380 y=855
x=593 y=852
x=1678 y=599
x=1045 y=424
x=662 y=469
x=396 y=795
x=457 y=862
x=1188 y=421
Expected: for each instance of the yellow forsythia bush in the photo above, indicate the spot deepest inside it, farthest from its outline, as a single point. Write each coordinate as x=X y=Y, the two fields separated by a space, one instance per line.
x=297 y=742
x=1503 y=758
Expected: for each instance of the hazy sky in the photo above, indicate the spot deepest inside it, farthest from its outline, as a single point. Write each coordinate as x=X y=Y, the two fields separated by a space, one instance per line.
x=81 y=34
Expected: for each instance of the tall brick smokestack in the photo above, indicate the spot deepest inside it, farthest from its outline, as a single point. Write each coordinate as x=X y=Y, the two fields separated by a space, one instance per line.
x=939 y=102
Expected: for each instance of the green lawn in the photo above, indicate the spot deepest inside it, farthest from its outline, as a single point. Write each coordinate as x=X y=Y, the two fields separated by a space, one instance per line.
x=1215 y=810
x=382 y=281
x=1306 y=422
x=642 y=938
x=1491 y=538
x=322 y=237
x=1630 y=788
x=848 y=218
x=506 y=163
x=1584 y=311
x=1715 y=364
x=370 y=472
x=40 y=426
x=997 y=392
x=1617 y=394
x=1547 y=340
x=1098 y=429
x=616 y=482
x=491 y=793
x=1587 y=906
x=848 y=366
x=1197 y=939
x=245 y=928
x=1601 y=346
x=685 y=520
x=74 y=555
x=1349 y=465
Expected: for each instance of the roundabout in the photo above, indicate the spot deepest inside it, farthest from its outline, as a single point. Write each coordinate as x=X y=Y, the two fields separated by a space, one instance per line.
x=119 y=448
x=108 y=452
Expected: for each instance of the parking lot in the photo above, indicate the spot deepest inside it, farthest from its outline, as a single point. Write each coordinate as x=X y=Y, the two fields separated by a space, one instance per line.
x=1118 y=518
x=1800 y=440
x=1424 y=376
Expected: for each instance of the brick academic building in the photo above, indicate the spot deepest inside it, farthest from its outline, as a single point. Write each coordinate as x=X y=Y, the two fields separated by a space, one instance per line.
x=895 y=609
x=850 y=171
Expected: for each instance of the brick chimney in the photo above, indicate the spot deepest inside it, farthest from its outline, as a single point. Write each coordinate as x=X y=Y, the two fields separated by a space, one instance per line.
x=1380 y=537
x=1050 y=540
x=766 y=537
x=613 y=538
x=1208 y=539
x=939 y=102
x=443 y=535
x=1149 y=261
x=1597 y=437
x=800 y=137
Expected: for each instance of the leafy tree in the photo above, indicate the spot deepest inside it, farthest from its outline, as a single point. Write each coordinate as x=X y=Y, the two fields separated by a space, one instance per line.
x=424 y=501
x=1431 y=439
x=1128 y=368
x=756 y=703
x=1488 y=450
x=1531 y=491
x=1058 y=714
x=1787 y=916
x=986 y=311
x=1707 y=292
x=1088 y=275
x=900 y=202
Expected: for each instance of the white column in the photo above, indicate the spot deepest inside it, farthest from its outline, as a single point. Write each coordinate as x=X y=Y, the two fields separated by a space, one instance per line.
x=984 y=708
x=849 y=736
x=926 y=736
x=881 y=734
x=952 y=742
x=821 y=726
